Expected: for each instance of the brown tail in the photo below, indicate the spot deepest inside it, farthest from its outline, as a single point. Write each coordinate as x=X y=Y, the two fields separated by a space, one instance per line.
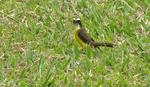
x=98 y=44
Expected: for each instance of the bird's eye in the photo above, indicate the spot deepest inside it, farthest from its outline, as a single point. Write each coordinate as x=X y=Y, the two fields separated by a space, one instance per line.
x=78 y=21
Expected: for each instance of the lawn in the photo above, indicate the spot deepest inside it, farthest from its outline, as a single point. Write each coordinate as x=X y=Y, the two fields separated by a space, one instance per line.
x=37 y=46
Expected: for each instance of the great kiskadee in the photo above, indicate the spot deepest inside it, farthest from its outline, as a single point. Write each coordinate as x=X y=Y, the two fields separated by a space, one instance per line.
x=84 y=38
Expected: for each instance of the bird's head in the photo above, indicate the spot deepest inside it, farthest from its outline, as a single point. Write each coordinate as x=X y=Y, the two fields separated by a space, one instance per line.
x=77 y=21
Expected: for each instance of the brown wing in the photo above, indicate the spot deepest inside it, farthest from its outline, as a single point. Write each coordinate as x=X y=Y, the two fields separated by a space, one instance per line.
x=84 y=36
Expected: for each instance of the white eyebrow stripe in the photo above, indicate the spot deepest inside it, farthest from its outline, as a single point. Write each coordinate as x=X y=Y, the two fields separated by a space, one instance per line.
x=76 y=18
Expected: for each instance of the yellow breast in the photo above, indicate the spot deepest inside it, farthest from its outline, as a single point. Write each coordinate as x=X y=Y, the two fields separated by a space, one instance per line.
x=79 y=41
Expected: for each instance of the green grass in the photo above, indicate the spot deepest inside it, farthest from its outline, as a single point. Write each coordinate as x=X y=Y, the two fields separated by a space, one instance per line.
x=37 y=47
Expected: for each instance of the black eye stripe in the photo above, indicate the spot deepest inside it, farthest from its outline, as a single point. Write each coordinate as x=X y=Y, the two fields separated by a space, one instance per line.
x=77 y=21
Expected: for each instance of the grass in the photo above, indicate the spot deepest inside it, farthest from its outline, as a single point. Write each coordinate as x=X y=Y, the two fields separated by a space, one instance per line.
x=37 y=46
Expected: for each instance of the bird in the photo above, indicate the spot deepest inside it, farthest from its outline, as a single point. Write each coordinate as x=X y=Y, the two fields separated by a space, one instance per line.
x=84 y=38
